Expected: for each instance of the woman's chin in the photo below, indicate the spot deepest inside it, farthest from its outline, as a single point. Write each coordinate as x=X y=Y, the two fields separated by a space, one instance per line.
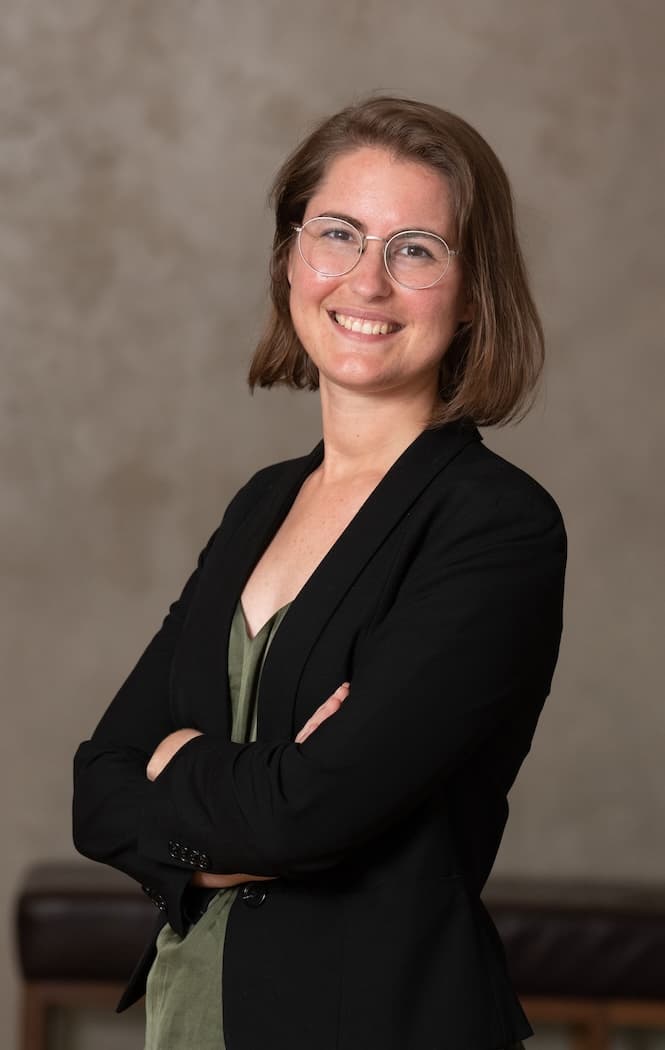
x=355 y=378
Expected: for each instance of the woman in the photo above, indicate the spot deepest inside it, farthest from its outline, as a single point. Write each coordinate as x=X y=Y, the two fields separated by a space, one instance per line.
x=397 y=591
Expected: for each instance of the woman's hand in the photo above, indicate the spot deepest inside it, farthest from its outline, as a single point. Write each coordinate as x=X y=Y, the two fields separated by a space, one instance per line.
x=328 y=707
x=165 y=750
x=172 y=743
x=210 y=881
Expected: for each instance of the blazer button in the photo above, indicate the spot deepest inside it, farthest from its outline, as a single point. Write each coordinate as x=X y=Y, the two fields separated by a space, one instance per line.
x=253 y=896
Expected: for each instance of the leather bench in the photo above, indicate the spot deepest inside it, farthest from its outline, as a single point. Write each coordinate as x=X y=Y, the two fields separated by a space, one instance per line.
x=80 y=929
x=585 y=955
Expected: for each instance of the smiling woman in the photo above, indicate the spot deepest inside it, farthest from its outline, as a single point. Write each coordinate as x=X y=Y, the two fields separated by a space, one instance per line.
x=491 y=366
x=308 y=766
x=394 y=335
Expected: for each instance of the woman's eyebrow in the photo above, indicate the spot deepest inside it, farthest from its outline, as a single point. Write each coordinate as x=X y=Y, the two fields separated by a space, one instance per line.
x=362 y=227
x=345 y=218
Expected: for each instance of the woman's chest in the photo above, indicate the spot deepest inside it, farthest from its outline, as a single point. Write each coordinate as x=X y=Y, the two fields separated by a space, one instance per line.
x=307 y=535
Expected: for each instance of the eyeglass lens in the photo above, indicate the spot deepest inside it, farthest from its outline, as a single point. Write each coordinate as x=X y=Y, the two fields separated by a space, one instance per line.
x=332 y=247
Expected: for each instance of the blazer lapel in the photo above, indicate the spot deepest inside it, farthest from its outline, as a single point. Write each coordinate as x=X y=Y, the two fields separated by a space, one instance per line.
x=317 y=601
x=200 y=689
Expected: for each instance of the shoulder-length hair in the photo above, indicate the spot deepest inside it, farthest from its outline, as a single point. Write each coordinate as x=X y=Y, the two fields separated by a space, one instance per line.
x=492 y=365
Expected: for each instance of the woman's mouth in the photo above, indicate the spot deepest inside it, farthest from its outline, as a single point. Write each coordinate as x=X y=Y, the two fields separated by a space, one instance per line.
x=364 y=325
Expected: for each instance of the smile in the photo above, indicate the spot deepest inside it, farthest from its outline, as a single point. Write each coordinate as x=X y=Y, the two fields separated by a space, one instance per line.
x=365 y=326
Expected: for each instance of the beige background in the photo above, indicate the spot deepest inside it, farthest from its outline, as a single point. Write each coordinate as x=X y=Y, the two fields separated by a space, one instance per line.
x=137 y=144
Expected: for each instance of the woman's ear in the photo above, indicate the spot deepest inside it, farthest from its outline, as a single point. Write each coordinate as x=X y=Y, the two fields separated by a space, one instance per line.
x=289 y=266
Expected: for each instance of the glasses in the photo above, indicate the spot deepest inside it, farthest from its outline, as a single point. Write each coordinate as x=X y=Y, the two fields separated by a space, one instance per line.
x=413 y=258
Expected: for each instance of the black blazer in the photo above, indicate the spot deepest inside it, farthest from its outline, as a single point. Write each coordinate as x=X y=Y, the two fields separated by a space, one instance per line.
x=441 y=604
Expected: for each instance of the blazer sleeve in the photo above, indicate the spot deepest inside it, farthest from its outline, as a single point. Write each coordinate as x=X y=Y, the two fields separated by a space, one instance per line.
x=110 y=784
x=472 y=635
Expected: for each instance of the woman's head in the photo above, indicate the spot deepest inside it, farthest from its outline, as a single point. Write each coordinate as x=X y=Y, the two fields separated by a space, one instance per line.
x=494 y=359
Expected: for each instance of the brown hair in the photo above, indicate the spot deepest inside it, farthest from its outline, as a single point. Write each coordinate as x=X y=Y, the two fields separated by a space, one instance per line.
x=494 y=361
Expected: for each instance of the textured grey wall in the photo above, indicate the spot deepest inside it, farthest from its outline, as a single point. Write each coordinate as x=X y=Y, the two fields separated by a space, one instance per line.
x=138 y=140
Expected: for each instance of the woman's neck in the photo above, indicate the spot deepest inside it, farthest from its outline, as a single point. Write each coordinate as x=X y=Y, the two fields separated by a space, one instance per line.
x=364 y=434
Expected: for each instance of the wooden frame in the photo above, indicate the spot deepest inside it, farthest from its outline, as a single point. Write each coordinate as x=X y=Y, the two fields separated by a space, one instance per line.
x=591 y=1021
x=40 y=996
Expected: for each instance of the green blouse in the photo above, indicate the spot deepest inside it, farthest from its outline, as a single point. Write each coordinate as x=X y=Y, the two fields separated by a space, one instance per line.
x=184 y=990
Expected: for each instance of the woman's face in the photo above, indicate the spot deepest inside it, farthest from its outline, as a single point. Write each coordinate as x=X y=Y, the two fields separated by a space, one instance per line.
x=381 y=194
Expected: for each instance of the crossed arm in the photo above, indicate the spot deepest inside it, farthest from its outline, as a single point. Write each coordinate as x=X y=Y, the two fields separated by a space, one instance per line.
x=171 y=744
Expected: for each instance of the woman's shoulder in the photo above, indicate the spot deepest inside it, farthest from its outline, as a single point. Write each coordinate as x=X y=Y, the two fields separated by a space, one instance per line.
x=483 y=466
x=486 y=483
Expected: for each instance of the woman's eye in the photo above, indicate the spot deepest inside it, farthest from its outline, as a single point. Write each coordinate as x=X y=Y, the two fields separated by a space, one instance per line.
x=415 y=251
x=337 y=233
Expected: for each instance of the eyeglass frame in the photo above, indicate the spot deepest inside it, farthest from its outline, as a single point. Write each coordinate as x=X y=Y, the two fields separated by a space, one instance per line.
x=364 y=238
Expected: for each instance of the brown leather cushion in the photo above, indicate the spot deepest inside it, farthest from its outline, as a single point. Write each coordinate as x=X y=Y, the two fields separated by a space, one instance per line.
x=562 y=938
x=78 y=921
x=581 y=939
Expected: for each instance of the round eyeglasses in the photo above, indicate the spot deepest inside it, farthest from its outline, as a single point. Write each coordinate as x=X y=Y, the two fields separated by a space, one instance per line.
x=413 y=258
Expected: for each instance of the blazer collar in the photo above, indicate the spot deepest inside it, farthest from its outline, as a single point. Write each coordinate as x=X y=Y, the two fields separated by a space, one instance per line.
x=233 y=557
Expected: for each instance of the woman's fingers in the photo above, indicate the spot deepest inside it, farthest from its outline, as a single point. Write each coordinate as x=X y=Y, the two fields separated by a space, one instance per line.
x=210 y=881
x=328 y=707
x=165 y=750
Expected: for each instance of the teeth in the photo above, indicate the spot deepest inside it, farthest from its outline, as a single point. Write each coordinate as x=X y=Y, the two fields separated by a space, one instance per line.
x=354 y=324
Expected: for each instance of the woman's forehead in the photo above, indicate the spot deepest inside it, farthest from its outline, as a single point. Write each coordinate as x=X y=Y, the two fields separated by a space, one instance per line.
x=371 y=183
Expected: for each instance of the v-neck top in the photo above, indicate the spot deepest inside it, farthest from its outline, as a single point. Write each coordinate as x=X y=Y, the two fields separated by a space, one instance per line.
x=184 y=988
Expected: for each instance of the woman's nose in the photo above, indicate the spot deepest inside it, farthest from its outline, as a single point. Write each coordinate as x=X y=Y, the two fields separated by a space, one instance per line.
x=369 y=276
